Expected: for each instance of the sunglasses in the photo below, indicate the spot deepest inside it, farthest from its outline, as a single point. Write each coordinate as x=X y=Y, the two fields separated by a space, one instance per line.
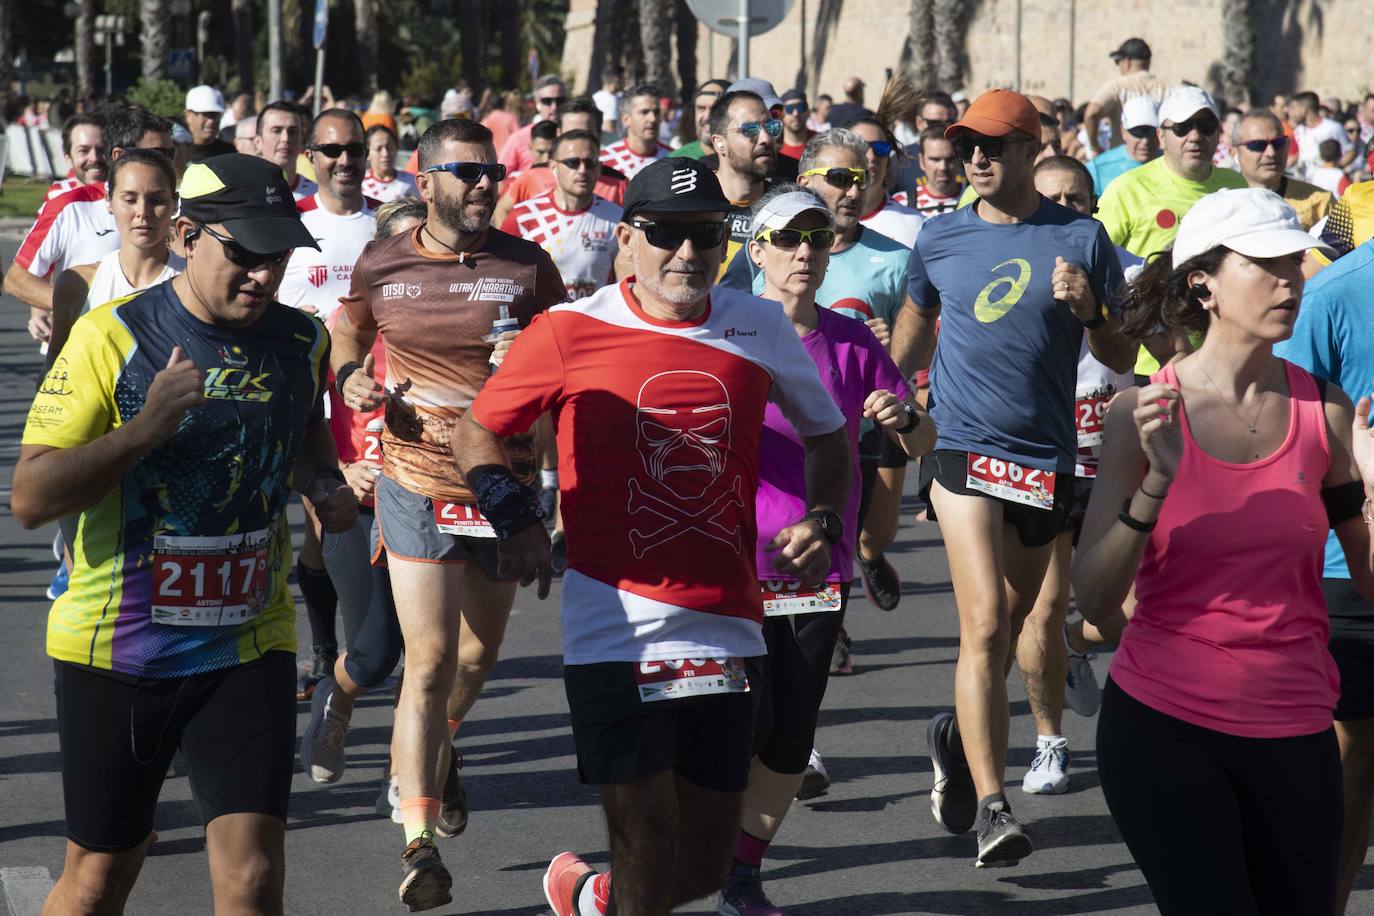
x=552 y=100
x=573 y=163
x=750 y=129
x=471 y=172
x=791 y=239
x=1141 y=132
x=335 y=150
x=795 y=108
x=881 y=148
x=1280 y=145
x=842 y=177
x=993 y=147
x=240 y=256
x=1205 y=126
x=670 y=236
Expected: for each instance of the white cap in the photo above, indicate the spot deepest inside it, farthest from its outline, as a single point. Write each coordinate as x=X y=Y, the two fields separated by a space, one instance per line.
x=1254 y=222
x=761 y=88
x=1183 y=102
x=204 y=99
x=1139 y=111
x=781 y=210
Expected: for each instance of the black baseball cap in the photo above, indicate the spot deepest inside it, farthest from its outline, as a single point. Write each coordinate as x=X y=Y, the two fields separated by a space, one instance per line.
x=674 y=185
x=1132 y=49
x=249 y=197
x=793 y=95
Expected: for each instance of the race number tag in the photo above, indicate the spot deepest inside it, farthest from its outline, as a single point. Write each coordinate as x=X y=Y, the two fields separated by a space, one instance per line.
x=1009 y=480
x=372 y=441
x=783 y=596
x=690 y=677
x=462 y=519
x=209 y=581
x=1090 y=412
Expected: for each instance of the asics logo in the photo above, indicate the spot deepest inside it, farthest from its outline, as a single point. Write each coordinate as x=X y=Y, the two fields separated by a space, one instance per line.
x=987 y=309
x=683 y=181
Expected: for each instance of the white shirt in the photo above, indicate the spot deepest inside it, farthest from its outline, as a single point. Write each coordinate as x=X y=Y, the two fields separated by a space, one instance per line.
x=626 y=161
x=609 y=103
x=321 y=278
x=1310 y=140
x=403 y=185
x=899 y=223
x=73 y=228
x=582 y=244
x=109 y=282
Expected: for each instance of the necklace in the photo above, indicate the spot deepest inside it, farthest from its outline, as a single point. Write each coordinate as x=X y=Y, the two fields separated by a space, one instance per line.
x=462 y=254
x=1249 y=424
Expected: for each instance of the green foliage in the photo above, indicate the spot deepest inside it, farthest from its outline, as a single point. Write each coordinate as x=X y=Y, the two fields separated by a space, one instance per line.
x=162 y=97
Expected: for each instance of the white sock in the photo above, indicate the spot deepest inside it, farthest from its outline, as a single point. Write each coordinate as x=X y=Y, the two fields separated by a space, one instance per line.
x=1043 y=740
x=548 y=478
x=586 y=901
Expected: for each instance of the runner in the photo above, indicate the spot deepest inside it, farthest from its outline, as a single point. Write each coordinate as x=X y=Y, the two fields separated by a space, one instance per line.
x=204 y=108
x=705 y=97
x=84 y=148
x=281 y=139
x=1140 y=123
x=880 y=212
x=173 y=424
x=942 y=182
x=744 y=137
x=549 y=94
x=793 y=231
x=661 y=615
x=435 y=294
x=1000 y=479
x=640 y=116
x=1223 y=679
x=383 y=183
x=1262 y=151
x=795 y=133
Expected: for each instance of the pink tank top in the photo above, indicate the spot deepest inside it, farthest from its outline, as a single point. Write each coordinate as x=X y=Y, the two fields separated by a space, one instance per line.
x=1230 y=627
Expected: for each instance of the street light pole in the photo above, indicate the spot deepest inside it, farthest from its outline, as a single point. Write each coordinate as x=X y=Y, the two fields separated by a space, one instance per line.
x=274 y=46
x=743 y=39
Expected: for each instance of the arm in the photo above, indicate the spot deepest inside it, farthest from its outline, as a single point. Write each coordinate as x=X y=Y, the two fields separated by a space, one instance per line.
x=317 y=477
x=24 y=286
x=68 y=295
x=1086 y=299
x=913 y=336
x=887 y=410
x=1352 y=459
x=1111 y=347
x=802 y=550
x=352 y=344
x=1092 y=121
x=502 y=210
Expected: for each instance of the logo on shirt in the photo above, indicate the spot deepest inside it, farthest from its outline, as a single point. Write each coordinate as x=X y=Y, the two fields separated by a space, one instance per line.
x=489 y=289
x=1166 y=219
x=736 y=332
x=56 y=381
x=101 y=232
x=235 y=383
x=684 y=181
x=995 y=301
x=317 y=274
x=233 y=356
x=400 y=291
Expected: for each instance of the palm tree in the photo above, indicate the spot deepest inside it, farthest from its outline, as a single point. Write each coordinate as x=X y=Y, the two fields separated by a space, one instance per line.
x=241 y=12
x=686 y=50
x=950 y=20
x=508 y=23
x=84 y=40
x=1238 y=50
x=365 y=28
x=6 y=40
x=656 y=19
x=920 y=44
x=473 y=42
x=154 y=16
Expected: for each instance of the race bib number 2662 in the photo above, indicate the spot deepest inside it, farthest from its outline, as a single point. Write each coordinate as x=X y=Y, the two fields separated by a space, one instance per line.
x=1011 y=481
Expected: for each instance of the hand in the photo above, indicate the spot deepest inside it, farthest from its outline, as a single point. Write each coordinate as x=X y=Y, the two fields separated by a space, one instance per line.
x=40 y=325
x=886 y=409
x=1156 y=420
x=361 y=391
x=802 y=553
x=880 y=330
x=309 y=310
x=175 y=390
x=362 y=478
x=1070 y=285
x=335 y=504
x=1362 y=443
x=503 y=344
x=525 y=556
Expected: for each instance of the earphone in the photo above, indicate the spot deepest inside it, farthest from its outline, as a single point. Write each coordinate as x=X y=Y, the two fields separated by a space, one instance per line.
x=1200 y=290
x=191 y=234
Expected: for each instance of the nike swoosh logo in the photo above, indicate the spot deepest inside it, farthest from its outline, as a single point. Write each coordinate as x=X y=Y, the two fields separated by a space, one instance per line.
x=103 y=231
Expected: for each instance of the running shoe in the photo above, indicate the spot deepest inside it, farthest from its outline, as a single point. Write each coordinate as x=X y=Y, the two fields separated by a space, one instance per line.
x=953 y=799
x=548 y=501
x=1081 y=692
x=389 y=799
x=426 y=882
x=60 y=580
x=1049 y=771
x=320 y=667
x=842 y=661
x=322 y=745
x=563 y=882
x=558 y=552
x=816 y=779
x=881 y=582
x=744 y=896
x=453 y=809
x=1001 y=839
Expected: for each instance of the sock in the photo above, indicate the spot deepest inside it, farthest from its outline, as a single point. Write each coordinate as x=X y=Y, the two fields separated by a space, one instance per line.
x=321 y=603
x=419 y=816
x=997 y=798
x=595 y=895
x=1048 y=739
x=548 y=478
x=749 y=850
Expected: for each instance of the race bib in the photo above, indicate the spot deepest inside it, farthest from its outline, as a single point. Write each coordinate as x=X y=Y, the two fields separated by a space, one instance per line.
x=462 y=519
x=372 y=441
x=1089 y=414
x=783 y=596
x=209 y=581
x=690 y=677
x=1009 y=480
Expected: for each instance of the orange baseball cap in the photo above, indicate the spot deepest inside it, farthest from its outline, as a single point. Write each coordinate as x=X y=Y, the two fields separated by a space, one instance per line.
x=997 y=113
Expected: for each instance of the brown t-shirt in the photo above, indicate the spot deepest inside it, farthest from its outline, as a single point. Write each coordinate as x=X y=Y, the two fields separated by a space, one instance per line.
x=436 y=311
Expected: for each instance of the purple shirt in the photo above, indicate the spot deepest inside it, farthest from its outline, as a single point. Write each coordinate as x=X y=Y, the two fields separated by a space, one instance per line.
x=852 y=364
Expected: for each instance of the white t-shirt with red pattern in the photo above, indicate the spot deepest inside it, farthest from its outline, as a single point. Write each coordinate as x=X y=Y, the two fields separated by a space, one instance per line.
x=626 y=161
x=73 y=228
x=582 y=244
x=403 y=185
x=321 y=278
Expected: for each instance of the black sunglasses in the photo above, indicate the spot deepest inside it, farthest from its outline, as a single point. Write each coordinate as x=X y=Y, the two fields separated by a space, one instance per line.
x=1141 y=132
x=670 y=236
x=1280 y=145
x=335 y=150
x=552 y=100
x=1206 y=126
x=240 y=256
x=795 y=108
x=471 y=172
x=993 y=147
x=573 y=163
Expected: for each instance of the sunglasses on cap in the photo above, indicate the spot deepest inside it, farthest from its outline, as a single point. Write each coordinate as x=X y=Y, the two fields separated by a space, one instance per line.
x=575 y=163
x=881 y=148
x=552 y=100
x=842 y=177
x=335 y=150
x=1205 y=125
x=471 y=172
x=993 y=147
x=795 y=108
x=237 y=254
x=1280 y=145
x=791 y=239
x=670 y=236
x=1141 y=132
x=750 y=129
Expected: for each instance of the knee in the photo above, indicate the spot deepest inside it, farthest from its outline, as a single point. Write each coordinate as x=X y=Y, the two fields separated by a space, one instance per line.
x=429 y=674
x=251 y=883
x=94 y=884
x=987 y=633
x=477 y=658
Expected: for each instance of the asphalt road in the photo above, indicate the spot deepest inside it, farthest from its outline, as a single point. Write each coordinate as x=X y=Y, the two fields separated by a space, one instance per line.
x=869 y=847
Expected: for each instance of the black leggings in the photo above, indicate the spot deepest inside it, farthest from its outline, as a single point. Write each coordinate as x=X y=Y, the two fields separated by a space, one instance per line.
x=1219 y=823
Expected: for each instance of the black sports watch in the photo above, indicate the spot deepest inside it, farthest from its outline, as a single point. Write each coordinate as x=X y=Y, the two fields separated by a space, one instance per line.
x=832 y=529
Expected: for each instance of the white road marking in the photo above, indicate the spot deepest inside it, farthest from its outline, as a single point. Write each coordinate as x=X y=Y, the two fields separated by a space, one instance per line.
x=25 y=889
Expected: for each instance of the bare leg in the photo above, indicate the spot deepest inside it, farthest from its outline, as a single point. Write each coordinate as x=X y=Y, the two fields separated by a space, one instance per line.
x=884 y=509
x=247 y=864
x=1040 y=651
x=767 y=800
x=95 y=883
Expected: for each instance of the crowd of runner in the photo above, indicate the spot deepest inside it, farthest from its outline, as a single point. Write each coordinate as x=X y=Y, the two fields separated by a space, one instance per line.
x=682 y=360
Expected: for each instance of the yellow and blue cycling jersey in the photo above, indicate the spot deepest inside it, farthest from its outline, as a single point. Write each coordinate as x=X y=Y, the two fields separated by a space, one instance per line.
x=182 y=567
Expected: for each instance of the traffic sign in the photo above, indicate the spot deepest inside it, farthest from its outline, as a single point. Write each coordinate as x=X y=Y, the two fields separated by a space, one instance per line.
x=181 y=63
x=321 y=22
x=723 y=15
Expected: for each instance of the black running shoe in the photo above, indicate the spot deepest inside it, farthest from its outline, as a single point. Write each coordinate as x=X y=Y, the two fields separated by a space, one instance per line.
x=548 y=502
x=426 y=882
x=319 y=668
x=953 y=799
x=842 y=659
x=453 y=808
x=558 y=552
x=881 y=582
x=1001 y=839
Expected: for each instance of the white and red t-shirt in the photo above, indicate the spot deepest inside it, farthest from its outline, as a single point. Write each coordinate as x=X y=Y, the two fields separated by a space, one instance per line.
x=930 y=204
x=302 y=187
x=62 y=186
x=384 y=192
x=1094 y=390
x=73 y=228
x=582 y=245
x=321 y=278
x=626 y=161
x=658 y=428
x=897 y=222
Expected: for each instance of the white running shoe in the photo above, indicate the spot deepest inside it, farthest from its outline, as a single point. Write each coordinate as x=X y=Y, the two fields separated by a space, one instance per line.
x=1049 y=771
x=1081 y=691
x=816 y=779
x=322 y=745
x=389 y=799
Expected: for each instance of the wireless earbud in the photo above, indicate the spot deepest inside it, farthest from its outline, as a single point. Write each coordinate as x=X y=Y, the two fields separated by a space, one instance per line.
x=1200 y=290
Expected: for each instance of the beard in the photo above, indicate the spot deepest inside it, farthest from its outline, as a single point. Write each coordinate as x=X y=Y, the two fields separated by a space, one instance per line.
x=451 y=211
x=690 y=292
x=751 y=167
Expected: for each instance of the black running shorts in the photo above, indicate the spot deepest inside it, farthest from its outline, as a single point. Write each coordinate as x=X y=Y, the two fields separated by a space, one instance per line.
x=236 y=728
x=1034 y=527
x=1354 y=656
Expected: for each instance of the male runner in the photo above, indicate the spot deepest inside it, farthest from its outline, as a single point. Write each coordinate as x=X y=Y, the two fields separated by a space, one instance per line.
x=744 y=136
x=880 y=212
x=174 y=424
x=661 y=610
x=705 y=97
x=204 y=108
x=942 y=182
x=1014 y=280
x=280 y=139
x=434 y=294
x=84 y=148
x=640 y=116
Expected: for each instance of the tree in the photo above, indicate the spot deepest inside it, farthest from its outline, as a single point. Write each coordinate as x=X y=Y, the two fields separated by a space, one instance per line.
x=241 y=12
x=365 y=28
x=154 y=16
x=1238 y=50
x=509 y=25
x=602 y=27
x=686 y=51
x=6 y=42
x=84 y=41
x=656 y=20
x=949 y=18
x=472 y=34
x=920 y=44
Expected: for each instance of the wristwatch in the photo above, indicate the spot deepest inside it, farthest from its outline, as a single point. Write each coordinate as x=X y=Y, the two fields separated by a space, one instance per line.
x=913 y=420
x=829 y=523
x=1098 y=320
